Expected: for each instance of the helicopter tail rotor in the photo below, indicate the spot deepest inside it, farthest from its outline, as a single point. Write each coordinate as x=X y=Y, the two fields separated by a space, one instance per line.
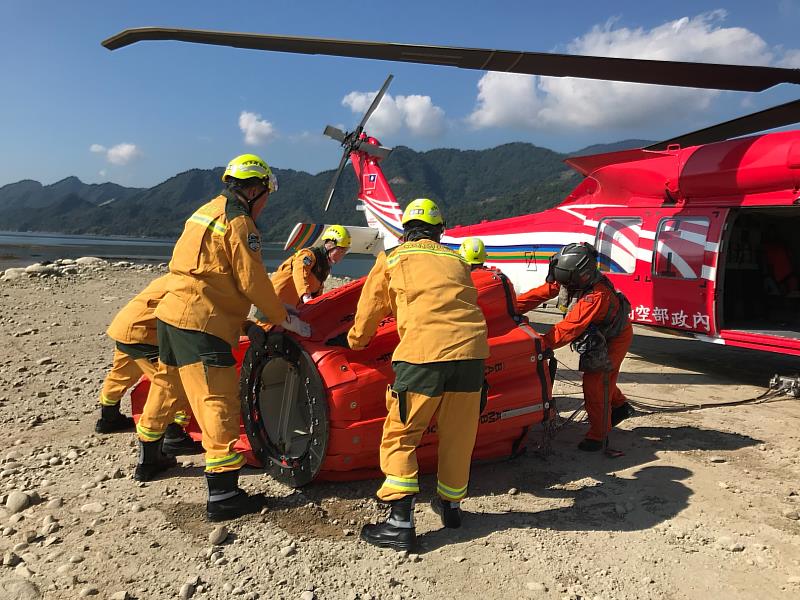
x=352 y=141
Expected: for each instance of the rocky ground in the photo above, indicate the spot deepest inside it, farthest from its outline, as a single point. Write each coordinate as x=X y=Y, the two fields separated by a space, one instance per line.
x=703 y=504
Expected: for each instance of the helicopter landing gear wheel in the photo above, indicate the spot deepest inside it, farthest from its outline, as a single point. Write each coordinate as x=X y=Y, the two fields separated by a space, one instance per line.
x=285 y=410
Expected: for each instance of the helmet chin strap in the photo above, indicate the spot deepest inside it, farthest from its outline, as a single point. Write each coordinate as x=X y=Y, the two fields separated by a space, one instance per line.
x=237 y=190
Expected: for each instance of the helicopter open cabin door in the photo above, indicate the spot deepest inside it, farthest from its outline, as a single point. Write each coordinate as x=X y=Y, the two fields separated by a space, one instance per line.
x=683 y=270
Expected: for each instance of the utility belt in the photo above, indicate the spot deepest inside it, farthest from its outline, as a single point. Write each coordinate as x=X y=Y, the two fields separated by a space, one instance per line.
x=592 y=344
x=593 y=350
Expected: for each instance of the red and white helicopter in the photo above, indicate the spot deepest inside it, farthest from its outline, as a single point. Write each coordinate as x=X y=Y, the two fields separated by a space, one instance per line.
x=698 y=231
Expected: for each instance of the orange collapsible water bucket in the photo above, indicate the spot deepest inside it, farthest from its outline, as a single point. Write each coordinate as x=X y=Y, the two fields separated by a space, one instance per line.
x=311 y=411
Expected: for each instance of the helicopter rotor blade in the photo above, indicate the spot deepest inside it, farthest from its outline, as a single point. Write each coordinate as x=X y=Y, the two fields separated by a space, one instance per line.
x=375 y=102
x=771 y=118
x=373 y=150
x=335 y=133
x=685 y=74
x=335 y=180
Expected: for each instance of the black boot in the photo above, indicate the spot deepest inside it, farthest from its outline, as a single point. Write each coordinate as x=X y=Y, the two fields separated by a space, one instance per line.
x=226 y=500
x=397 y=532
x=620 y=413
x=177 y=442
x=112 y=421
x=152 y=461
x=588 y=445
x=449 y=512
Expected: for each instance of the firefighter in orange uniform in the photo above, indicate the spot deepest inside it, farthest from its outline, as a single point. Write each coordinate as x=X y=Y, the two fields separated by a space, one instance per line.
x=301 y=277
x=216 y=275
x=438 y=367
x=599 y=327
x=136 y=354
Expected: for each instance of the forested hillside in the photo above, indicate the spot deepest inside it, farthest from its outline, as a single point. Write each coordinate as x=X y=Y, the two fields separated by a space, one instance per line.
x=470 y=185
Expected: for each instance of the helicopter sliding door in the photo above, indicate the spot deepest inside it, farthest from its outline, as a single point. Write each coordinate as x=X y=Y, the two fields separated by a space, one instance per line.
x=683 y=270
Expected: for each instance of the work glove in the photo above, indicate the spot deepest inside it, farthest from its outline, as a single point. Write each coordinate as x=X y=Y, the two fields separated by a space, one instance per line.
x=296 y=325
x=258 y=337
x=291 y=309
x=339 y=340
x=307 y=298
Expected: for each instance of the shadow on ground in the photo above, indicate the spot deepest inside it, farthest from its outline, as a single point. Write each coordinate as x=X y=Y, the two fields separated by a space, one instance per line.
x=598 y=499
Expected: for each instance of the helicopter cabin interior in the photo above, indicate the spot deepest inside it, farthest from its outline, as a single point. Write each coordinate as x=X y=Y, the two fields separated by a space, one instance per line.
x=761 y=273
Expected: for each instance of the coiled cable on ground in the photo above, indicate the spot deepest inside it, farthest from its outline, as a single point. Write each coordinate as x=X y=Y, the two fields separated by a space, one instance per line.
x=663 y=405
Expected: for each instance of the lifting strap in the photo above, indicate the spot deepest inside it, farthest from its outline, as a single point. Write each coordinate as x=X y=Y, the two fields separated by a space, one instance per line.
x=321 y=268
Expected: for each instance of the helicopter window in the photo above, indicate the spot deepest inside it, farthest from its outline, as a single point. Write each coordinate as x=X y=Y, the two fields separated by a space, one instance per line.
x=680 y=247
x=616 y=243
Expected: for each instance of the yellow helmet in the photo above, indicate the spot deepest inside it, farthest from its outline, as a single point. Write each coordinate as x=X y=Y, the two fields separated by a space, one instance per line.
x=247 y=166
x=473 y=251
x=423 y=209
x=337 y=234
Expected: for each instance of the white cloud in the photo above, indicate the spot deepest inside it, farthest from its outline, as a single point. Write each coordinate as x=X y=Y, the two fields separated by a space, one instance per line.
x=256 y=130
x=122 y=154
x=416 y=113
x=506 y=100
x=422 y=116
x=790 y=60
x=509 y=100
x=119 y=155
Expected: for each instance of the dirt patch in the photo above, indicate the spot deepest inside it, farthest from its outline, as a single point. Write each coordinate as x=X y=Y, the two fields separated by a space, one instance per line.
x=335 y=519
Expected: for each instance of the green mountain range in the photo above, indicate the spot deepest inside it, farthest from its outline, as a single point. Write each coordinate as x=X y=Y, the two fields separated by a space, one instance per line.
x=470 y=185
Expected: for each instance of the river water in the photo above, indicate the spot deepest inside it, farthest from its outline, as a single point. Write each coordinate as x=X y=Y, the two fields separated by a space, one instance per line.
x=22 y=249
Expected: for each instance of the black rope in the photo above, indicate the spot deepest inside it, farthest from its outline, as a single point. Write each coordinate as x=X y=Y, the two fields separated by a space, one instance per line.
x=648 y=408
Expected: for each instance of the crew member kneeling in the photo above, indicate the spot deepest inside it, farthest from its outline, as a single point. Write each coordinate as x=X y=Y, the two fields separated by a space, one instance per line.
x=438 y=367
x=302 y=276
x=136 y=354
x=599 y=327
x=217 y=273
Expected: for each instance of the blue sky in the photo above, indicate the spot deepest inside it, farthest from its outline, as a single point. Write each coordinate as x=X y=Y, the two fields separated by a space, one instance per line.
x=141 y=114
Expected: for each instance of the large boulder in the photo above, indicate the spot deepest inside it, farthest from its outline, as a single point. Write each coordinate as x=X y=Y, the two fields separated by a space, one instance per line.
x=89 y=260
x=39 y=269
x=14 y=273
x=17 y=502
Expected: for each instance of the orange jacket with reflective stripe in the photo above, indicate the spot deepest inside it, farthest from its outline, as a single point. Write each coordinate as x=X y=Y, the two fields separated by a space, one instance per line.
x=429 y=290
x=591 y=308
x=136 y=323
x=218 y=273
x=294 y=278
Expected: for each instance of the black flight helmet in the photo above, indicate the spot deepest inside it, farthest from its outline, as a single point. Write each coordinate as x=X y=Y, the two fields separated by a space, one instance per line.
x=574 y=266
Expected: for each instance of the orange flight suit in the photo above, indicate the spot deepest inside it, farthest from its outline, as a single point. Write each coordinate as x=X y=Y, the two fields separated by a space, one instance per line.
x=294 y=278
x=216 y=275
x=136 y=354
x=438 y=363
x=591 y=307
x=779 y=265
